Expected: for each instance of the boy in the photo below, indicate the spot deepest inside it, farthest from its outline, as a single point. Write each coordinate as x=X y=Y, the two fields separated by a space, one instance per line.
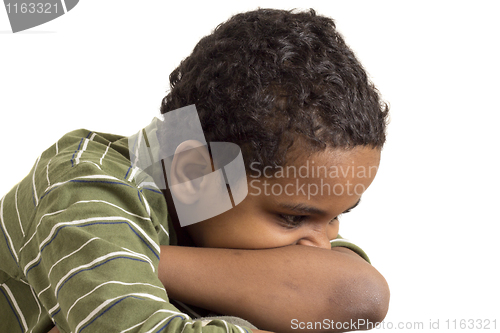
x=84 y=232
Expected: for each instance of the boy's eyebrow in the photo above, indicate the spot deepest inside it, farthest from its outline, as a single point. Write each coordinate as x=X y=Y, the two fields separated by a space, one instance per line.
x=305 y=209
x=302 y=208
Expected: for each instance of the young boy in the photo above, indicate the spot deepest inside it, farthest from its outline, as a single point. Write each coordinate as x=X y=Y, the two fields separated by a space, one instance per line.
x=91 y=245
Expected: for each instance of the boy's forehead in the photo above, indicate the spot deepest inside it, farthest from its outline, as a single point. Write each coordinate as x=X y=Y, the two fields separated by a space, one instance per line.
x=337 y=174
x=328 y=162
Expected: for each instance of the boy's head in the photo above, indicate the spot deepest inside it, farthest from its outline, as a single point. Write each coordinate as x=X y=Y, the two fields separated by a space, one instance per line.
x=286 y=88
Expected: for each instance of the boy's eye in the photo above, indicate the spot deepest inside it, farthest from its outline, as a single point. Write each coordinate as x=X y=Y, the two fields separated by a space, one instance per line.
x=291 y=221
x=294 y=221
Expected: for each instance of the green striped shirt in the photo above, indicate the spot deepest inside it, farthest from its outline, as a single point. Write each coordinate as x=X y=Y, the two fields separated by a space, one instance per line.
x=80 y=245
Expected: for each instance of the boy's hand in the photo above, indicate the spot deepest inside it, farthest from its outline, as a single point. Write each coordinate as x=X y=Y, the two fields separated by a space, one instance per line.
x=272 y=287
x=54 y=330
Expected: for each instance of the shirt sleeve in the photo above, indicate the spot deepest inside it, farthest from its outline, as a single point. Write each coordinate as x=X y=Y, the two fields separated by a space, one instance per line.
x=92 y=260
x=339 y=241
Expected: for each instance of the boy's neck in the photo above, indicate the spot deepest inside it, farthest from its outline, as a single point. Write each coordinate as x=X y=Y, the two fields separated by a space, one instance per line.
x=183 y=238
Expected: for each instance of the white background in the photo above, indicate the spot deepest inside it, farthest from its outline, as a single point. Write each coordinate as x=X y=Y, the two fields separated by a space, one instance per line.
x=430 y=220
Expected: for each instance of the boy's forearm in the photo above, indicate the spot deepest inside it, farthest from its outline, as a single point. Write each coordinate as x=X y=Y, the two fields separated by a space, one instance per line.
x=272 y=287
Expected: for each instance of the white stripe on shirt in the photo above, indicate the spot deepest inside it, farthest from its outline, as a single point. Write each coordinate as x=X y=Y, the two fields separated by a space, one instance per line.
x=90 y=264
x=100 y=218
x=54 y=308
x=164 y=230
x=112 y=282
x=79 y=202
x=79 y=155
x=148 y=210
x=185 y=324
x=69 y=255
x=105 y=152
x=37 y=303
x=34 y=186
x=105 y=303
x=11 y=245
x=132 y=174
x=143 y=256
x=47 y=169
x=241 y=330
x=161 y=310
x=97 y=166
x=116 y=206
x=14 y=302
x=39 y=222
x=62 y=224
x=160 y=323
x=17 y=210
x=42 y=291
x=51 y=187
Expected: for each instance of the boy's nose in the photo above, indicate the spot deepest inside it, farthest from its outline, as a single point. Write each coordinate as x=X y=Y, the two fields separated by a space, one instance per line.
x=320 y=240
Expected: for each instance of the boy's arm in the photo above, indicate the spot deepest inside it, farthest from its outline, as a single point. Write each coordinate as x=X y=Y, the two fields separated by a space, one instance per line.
x=272 y=287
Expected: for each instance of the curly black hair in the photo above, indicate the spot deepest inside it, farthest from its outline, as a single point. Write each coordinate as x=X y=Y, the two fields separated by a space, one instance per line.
x=268 y=78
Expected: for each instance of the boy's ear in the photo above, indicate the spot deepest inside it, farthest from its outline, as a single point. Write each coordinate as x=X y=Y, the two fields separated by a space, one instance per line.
x=190 y=164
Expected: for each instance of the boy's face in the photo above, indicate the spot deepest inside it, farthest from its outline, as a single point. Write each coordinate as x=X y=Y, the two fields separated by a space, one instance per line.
x=296 y=204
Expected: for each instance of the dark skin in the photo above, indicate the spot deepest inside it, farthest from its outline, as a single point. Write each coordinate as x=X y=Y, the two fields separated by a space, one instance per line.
x=269 y=259
x=259 y=237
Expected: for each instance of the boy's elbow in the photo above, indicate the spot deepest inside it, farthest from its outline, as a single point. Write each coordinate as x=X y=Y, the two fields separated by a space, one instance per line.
x=374 y=302
x=366 y=298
